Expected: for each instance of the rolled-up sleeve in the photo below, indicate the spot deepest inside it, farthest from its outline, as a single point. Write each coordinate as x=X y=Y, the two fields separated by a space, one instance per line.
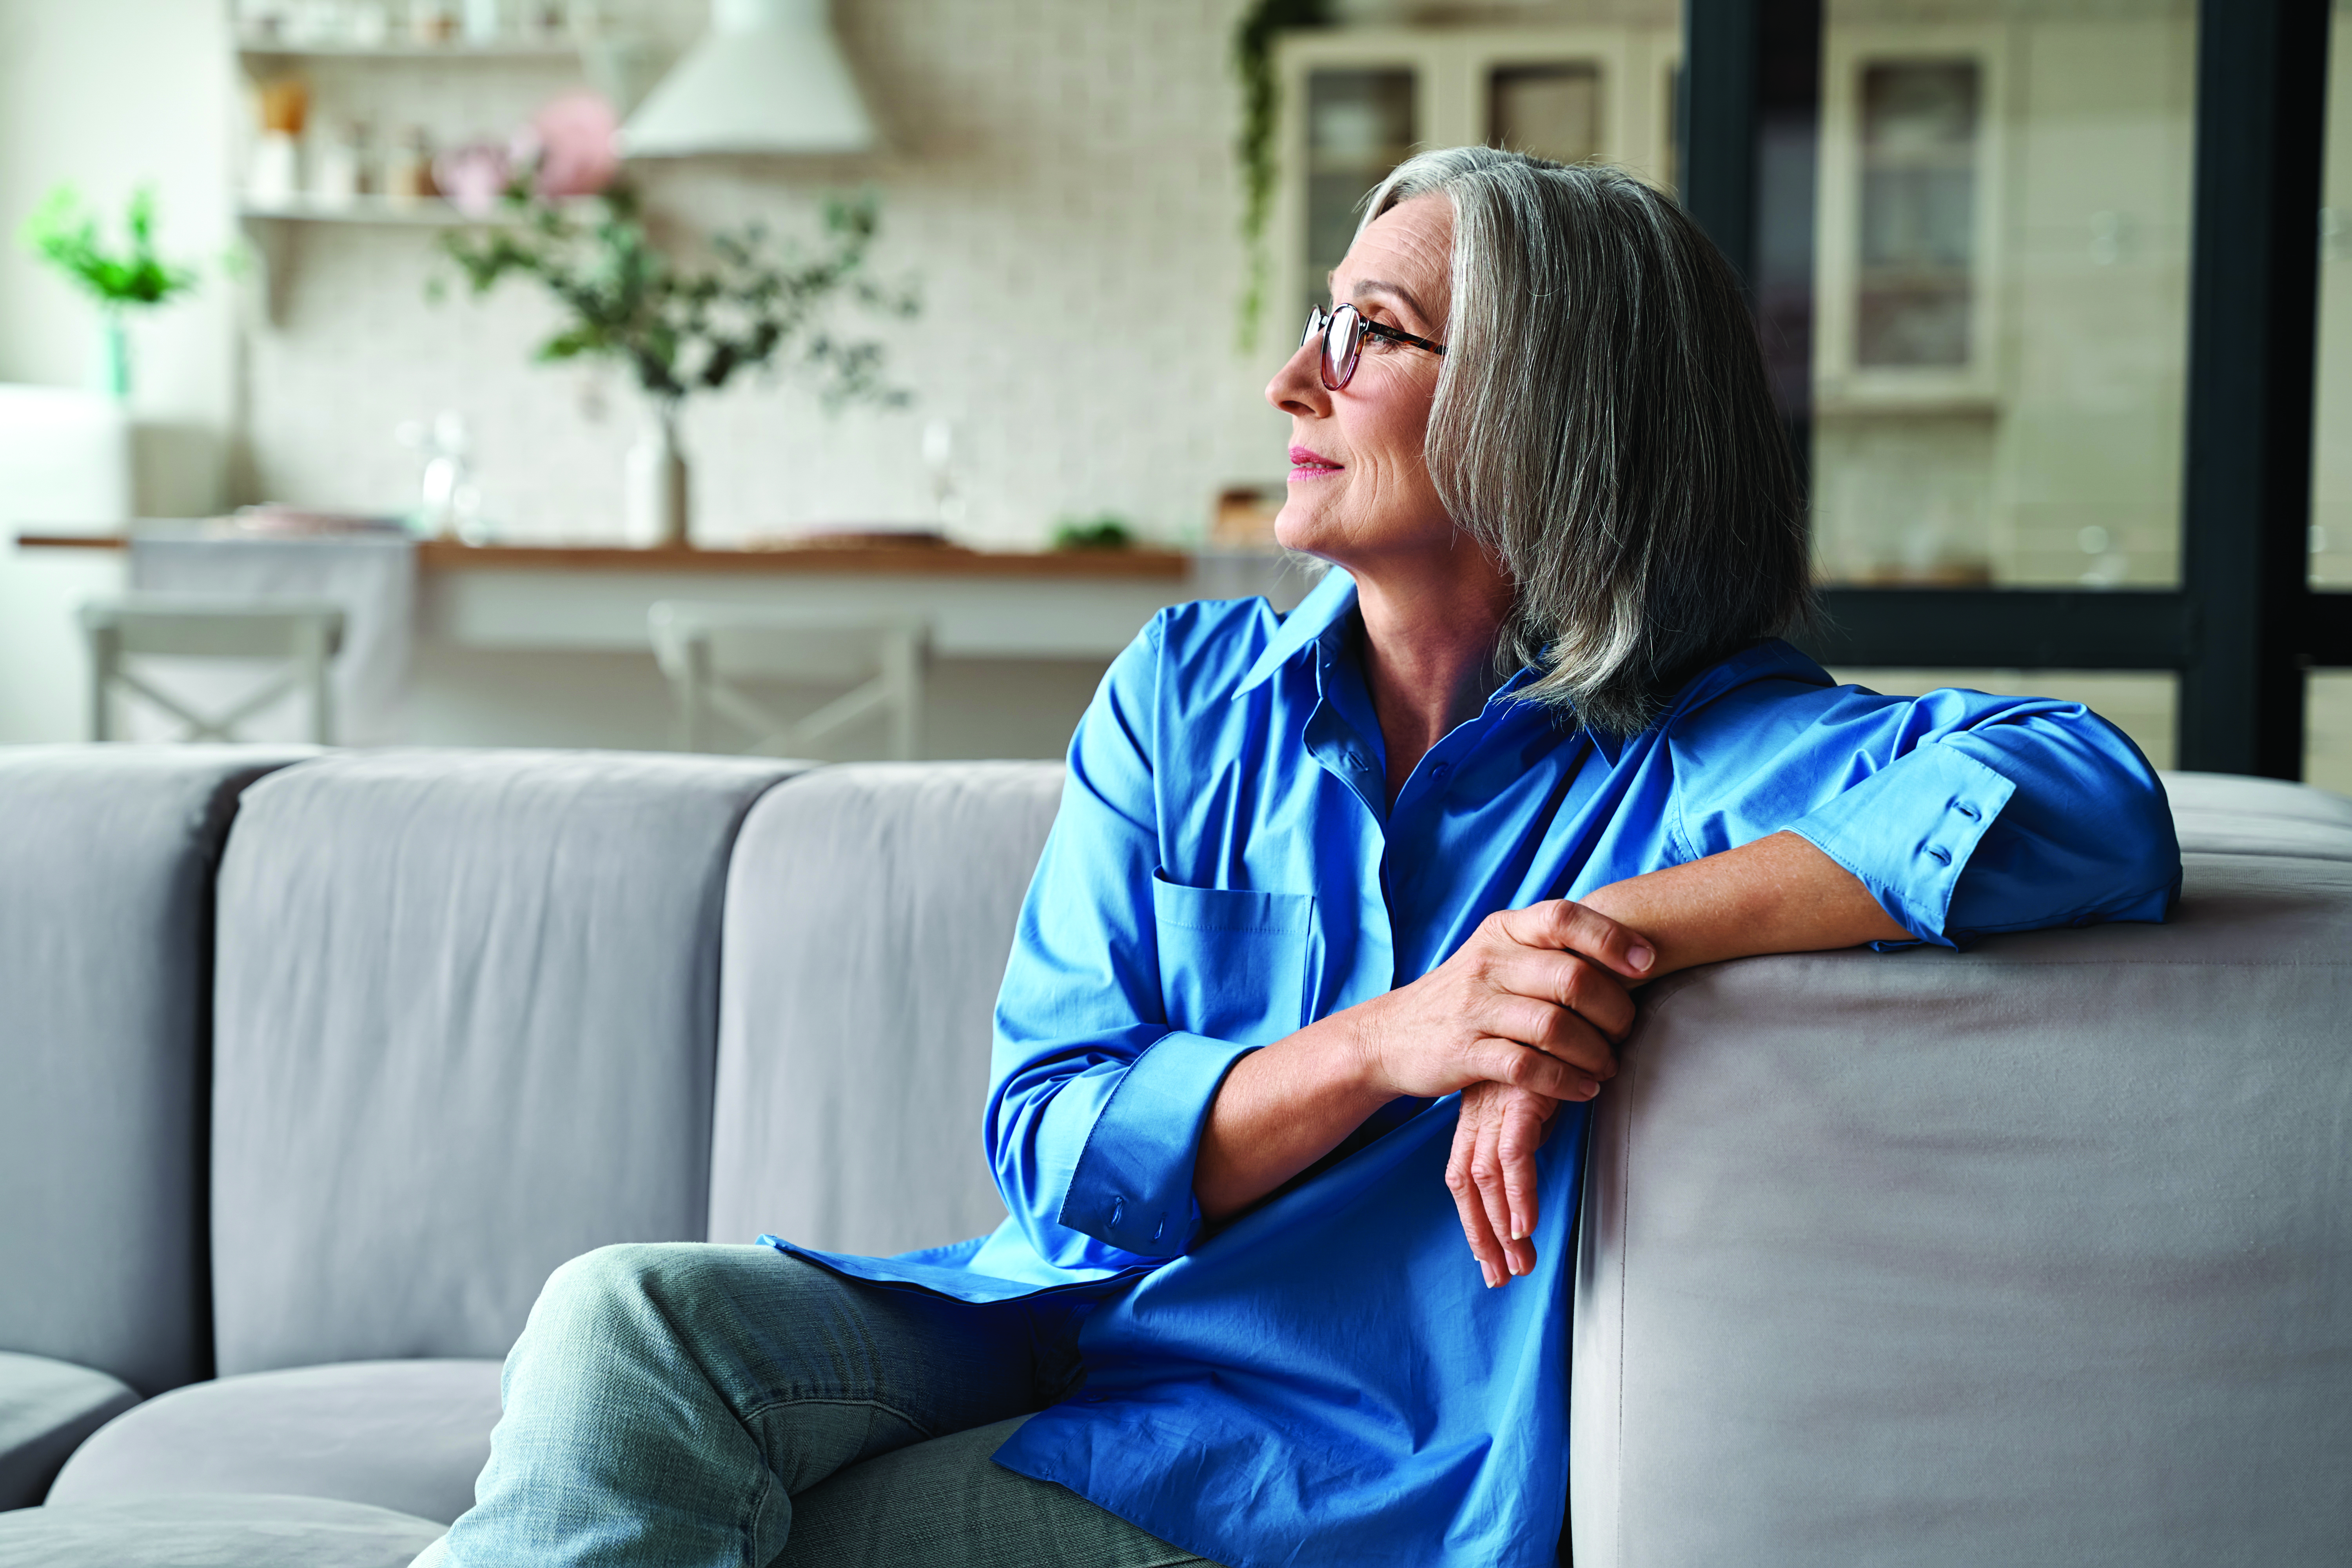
x=1096 y=1101
x=1963 y=814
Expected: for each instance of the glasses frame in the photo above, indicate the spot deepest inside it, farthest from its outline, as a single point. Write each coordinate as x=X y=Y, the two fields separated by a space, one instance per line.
x=1335 y=374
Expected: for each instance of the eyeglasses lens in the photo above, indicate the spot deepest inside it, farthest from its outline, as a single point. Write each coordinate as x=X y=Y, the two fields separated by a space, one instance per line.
x=1342 y=336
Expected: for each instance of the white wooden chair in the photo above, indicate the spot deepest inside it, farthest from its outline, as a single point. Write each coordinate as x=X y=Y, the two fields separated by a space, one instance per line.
x=303 y=636
x=707 y=650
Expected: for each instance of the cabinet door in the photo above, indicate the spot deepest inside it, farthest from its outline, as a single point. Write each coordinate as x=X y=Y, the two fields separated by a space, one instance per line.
x=1910 y=224
x=1356 y=103
x=1354 y=107
x=1574 y=95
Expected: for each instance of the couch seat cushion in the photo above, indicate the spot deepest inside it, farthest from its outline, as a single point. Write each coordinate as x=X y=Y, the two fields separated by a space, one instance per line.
x=46 y=1408
x=409 y=1435
x=212 y=1532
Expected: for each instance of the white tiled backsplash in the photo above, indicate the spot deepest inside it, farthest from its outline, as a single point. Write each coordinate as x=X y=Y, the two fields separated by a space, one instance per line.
x=1060 y=181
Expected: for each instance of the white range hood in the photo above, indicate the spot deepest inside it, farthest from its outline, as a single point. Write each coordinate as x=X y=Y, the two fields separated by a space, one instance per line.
x=769 y=77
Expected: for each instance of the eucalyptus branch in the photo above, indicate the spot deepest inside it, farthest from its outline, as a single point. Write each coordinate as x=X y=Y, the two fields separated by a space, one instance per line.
x=761 y=304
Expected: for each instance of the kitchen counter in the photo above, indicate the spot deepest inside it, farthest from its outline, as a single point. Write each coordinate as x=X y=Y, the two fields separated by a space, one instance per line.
x=1059 y=604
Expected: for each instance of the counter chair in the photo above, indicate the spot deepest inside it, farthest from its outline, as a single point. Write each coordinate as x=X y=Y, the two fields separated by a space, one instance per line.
x=303 y=637
x=708 y=650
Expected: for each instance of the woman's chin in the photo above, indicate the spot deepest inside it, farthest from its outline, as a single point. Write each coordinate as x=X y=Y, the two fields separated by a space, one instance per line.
x=1303 y=526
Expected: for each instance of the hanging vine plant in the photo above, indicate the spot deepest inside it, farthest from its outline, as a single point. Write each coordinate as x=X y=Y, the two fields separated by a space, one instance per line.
x=1253 y=39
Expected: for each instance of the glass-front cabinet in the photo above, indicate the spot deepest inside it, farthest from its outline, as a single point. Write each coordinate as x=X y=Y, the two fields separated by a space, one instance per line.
x=1357 y=103
x=2001 y=293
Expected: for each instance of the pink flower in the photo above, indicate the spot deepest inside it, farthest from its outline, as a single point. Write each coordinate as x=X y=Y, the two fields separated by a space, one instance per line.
x=578 y=145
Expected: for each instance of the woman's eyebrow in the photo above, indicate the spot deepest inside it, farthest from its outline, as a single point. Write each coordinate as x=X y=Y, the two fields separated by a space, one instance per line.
x=1398 y=291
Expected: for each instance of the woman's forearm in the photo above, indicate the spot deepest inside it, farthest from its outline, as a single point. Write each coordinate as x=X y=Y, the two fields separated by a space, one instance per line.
x=1280 y=1110
x=1779 y=894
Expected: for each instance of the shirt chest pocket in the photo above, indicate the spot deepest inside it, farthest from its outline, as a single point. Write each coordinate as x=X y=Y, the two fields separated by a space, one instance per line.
x=1234 y=964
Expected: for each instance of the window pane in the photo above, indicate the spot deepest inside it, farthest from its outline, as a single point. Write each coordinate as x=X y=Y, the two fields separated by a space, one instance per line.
x=2331 y=474
x=2142 y=705
x=2001 y=274
x=2327 y=730
x=1359 y=125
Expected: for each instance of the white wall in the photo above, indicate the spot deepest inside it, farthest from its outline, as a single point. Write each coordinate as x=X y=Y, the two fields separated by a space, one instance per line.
x=1060 y=181
x=108 y=95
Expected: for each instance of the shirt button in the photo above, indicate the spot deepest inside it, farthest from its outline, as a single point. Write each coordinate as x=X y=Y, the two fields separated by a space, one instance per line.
x=1440 y=771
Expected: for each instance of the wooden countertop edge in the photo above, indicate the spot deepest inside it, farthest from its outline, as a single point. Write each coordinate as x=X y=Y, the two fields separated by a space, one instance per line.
x=897 y=561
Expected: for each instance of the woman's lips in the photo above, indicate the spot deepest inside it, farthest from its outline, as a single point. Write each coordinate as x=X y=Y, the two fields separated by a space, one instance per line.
x=1310 y=465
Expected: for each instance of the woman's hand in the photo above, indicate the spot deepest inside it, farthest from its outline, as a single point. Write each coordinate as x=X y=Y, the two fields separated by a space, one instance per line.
x=1524 y=1016
x=1533 y=1000
x=1552 y=977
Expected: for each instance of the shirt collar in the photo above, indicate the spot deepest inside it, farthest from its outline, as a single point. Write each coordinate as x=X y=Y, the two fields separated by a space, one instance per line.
x=1326 y=605
x=1331 y=600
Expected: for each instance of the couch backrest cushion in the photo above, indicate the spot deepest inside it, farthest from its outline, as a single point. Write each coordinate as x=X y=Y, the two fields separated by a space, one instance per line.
x=2229 y=813
x=107 y=856
x=467 y=1018
x=2036 y=1252
x=869 y=914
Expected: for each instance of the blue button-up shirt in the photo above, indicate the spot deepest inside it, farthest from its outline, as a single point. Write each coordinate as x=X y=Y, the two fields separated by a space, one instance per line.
x=1327 y=1379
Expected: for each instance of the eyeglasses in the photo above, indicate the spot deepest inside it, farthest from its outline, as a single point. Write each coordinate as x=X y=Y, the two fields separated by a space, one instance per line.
x=1344 y=331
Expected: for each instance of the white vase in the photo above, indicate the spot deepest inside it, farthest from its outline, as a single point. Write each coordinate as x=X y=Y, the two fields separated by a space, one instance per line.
x=655 y=490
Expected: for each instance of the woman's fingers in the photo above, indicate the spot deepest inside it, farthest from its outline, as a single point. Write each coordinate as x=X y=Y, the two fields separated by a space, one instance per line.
x=1509 y=1063
x=1487 y=1176
x=1475 y=1227
x=1493 y=1175
x=1553 y=1031
x=1566 y=980
x=1521 y=1129
x=1570 y=927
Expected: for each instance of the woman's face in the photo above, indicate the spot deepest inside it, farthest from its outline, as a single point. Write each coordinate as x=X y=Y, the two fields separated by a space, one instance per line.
x=1360 y=491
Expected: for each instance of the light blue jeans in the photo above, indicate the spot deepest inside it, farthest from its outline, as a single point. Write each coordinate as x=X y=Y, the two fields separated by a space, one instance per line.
x=684 y=1406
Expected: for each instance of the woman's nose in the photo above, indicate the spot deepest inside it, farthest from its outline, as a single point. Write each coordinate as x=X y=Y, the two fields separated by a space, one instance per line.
x=1297 y=387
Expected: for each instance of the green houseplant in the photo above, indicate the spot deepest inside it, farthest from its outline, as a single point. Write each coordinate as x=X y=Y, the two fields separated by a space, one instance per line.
x=755 y=303
x=62 y=232
x=1254 y=40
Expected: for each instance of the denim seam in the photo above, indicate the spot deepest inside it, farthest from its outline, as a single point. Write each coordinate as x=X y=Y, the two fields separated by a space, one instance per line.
x=759 y=1412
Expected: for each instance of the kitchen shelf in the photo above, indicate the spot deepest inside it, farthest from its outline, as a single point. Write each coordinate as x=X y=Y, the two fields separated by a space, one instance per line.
x=515 y=49
x=431 y=213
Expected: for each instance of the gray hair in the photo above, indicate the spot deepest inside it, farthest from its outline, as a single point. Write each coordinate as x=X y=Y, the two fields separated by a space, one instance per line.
x=1604 y=429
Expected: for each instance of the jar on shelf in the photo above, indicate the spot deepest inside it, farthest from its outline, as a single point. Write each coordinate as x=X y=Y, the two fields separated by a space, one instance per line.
x=408 y=168
x=432 y=21
x=339 y=171
x=275 y=175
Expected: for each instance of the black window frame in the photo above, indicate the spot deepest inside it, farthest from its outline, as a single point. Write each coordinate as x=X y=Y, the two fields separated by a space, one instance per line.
x=2244 y=627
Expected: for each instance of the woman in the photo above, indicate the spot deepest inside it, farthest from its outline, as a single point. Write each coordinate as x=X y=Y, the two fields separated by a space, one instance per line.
x=1334 y=937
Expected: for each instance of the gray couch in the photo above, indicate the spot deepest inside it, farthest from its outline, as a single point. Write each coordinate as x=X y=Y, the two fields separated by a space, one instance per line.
x=2038 y=1254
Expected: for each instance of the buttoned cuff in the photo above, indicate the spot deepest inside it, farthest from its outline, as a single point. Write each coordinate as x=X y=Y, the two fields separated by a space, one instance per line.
x=1907 y=832
x=1133 y=1183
